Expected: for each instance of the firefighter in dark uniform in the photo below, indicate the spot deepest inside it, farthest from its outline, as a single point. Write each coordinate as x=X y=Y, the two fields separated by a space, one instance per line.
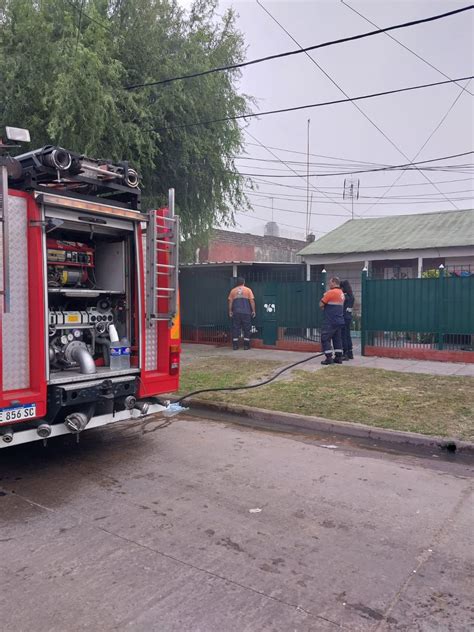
x=241 y=309
x=332 y=305
x=346 y=330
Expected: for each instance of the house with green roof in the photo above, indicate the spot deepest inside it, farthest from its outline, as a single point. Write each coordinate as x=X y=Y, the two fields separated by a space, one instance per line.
x=401 y=246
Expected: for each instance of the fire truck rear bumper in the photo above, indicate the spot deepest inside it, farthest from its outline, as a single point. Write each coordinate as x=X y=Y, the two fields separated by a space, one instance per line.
x=18 y=436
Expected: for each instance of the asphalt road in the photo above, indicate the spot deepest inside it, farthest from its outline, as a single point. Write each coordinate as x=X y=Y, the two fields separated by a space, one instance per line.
x=202 y=526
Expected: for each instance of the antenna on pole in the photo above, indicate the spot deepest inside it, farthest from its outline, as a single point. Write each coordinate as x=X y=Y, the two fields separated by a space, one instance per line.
x=307 y=178
x=351 y=190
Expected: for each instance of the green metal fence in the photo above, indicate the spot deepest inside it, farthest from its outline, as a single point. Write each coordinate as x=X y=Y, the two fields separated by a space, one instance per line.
x=287 y=307
x=427 y=313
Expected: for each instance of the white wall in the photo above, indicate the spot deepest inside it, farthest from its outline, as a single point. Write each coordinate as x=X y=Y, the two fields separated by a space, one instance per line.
x=350 y=271
x=460 y=261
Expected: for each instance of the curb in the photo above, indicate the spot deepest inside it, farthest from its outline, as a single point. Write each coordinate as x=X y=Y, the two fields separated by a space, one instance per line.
x=268 y=419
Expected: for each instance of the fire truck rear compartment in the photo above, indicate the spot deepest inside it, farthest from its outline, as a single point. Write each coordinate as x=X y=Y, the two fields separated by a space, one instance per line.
x=91 y=305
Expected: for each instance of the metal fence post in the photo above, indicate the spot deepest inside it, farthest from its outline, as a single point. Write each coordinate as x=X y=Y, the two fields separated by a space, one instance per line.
x=323 y=279
x=441 y=281
x=363 y=305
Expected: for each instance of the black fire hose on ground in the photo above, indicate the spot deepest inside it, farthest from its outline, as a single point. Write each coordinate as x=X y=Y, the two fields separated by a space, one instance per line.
x=175 y=407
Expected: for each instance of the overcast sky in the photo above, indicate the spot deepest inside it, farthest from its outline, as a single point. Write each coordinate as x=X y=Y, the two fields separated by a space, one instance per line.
x=371 y=65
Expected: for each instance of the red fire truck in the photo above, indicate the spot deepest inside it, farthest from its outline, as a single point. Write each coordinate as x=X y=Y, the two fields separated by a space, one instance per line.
x=89 y=322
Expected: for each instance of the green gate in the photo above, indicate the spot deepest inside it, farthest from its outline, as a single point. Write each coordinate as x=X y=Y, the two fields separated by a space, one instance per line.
x=286 y=310
x=436 y=313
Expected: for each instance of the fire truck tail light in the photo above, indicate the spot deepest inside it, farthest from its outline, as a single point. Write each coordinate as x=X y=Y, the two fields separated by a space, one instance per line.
x=174 y=360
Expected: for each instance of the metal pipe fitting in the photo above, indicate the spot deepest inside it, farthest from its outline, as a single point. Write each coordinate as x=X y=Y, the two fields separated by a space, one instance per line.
x=7 y=436
x=142 y=407
x=132 y=179
x=43 y=430
x=58 y=159
x=84 y=359
x=77 y=421
x=130 y=402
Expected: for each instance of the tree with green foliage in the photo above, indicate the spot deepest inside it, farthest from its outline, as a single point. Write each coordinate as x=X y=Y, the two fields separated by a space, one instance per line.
x=66 y=68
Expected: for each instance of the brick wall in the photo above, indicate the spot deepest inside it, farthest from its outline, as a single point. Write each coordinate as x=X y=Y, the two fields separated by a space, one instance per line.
x=227 y=245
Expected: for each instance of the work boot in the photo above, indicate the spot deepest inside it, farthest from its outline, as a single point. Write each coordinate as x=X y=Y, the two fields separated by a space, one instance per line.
x=345 y=356
x=350 y=355
x=328 y=360
x=338 y=358
x=235 y=345
x=246 y=344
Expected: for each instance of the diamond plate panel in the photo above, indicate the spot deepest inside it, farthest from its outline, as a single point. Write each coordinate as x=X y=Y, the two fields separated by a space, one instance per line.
x=151 y=333
x=151 y=347
x=15 y=325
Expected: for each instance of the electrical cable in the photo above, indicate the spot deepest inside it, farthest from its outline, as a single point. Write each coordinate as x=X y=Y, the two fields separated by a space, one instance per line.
x=396 y=203
x=407 y=167
x=440 y=123
x=76 y=8
x=287 y=210
x=302 y=198
x=304 y=153
x=295 y=172
x=358 y=108
x=249 y=386
x=390 y=168
x=81 y=11
x=298 y=51
x=423 y=199
x=380 y=186
x=314 y=105
x=410 y=50
x=314 y=165
x=265 y=219
x=352 y=163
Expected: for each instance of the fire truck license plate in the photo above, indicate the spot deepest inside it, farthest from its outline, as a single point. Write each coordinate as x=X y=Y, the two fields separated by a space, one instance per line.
x=19 y=413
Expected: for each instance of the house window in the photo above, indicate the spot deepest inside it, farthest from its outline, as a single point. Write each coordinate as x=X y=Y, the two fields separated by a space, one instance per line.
x=398 y=272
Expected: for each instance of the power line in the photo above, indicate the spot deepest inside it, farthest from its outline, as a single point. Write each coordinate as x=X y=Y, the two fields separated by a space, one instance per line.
x=298 y=51
x=443 y=118
x=395 y=203
x=352 y=163
x=410 y=50
x=287 y=210
x=390 y=168
x=263 y=219
x=79 y=24
x=348 y=169
x=303 y=153
x=359 y=109
x=421 y=196
x=462 y=168
x=76 y=8
x=382 y=186
x=295 y=172
x=315 y=105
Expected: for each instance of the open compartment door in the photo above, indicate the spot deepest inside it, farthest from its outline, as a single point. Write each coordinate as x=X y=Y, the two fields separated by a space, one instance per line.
x=22 y=312
x=161 y=301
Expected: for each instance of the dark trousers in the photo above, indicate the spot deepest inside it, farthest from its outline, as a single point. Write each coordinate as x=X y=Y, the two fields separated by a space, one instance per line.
x=241 y=322
x=346 y=336
x=331 y=333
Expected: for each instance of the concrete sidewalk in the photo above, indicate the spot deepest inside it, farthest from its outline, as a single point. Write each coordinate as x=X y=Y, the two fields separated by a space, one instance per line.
x=192 y=353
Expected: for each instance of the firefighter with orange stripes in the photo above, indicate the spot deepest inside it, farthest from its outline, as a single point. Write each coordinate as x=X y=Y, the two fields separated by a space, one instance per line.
x=241 y=309
x=332 y=304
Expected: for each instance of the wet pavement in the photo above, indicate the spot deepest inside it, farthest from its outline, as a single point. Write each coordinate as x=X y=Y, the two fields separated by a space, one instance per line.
x=192 y=525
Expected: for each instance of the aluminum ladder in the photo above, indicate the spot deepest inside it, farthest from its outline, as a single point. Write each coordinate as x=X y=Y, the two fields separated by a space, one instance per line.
x=162 y=238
